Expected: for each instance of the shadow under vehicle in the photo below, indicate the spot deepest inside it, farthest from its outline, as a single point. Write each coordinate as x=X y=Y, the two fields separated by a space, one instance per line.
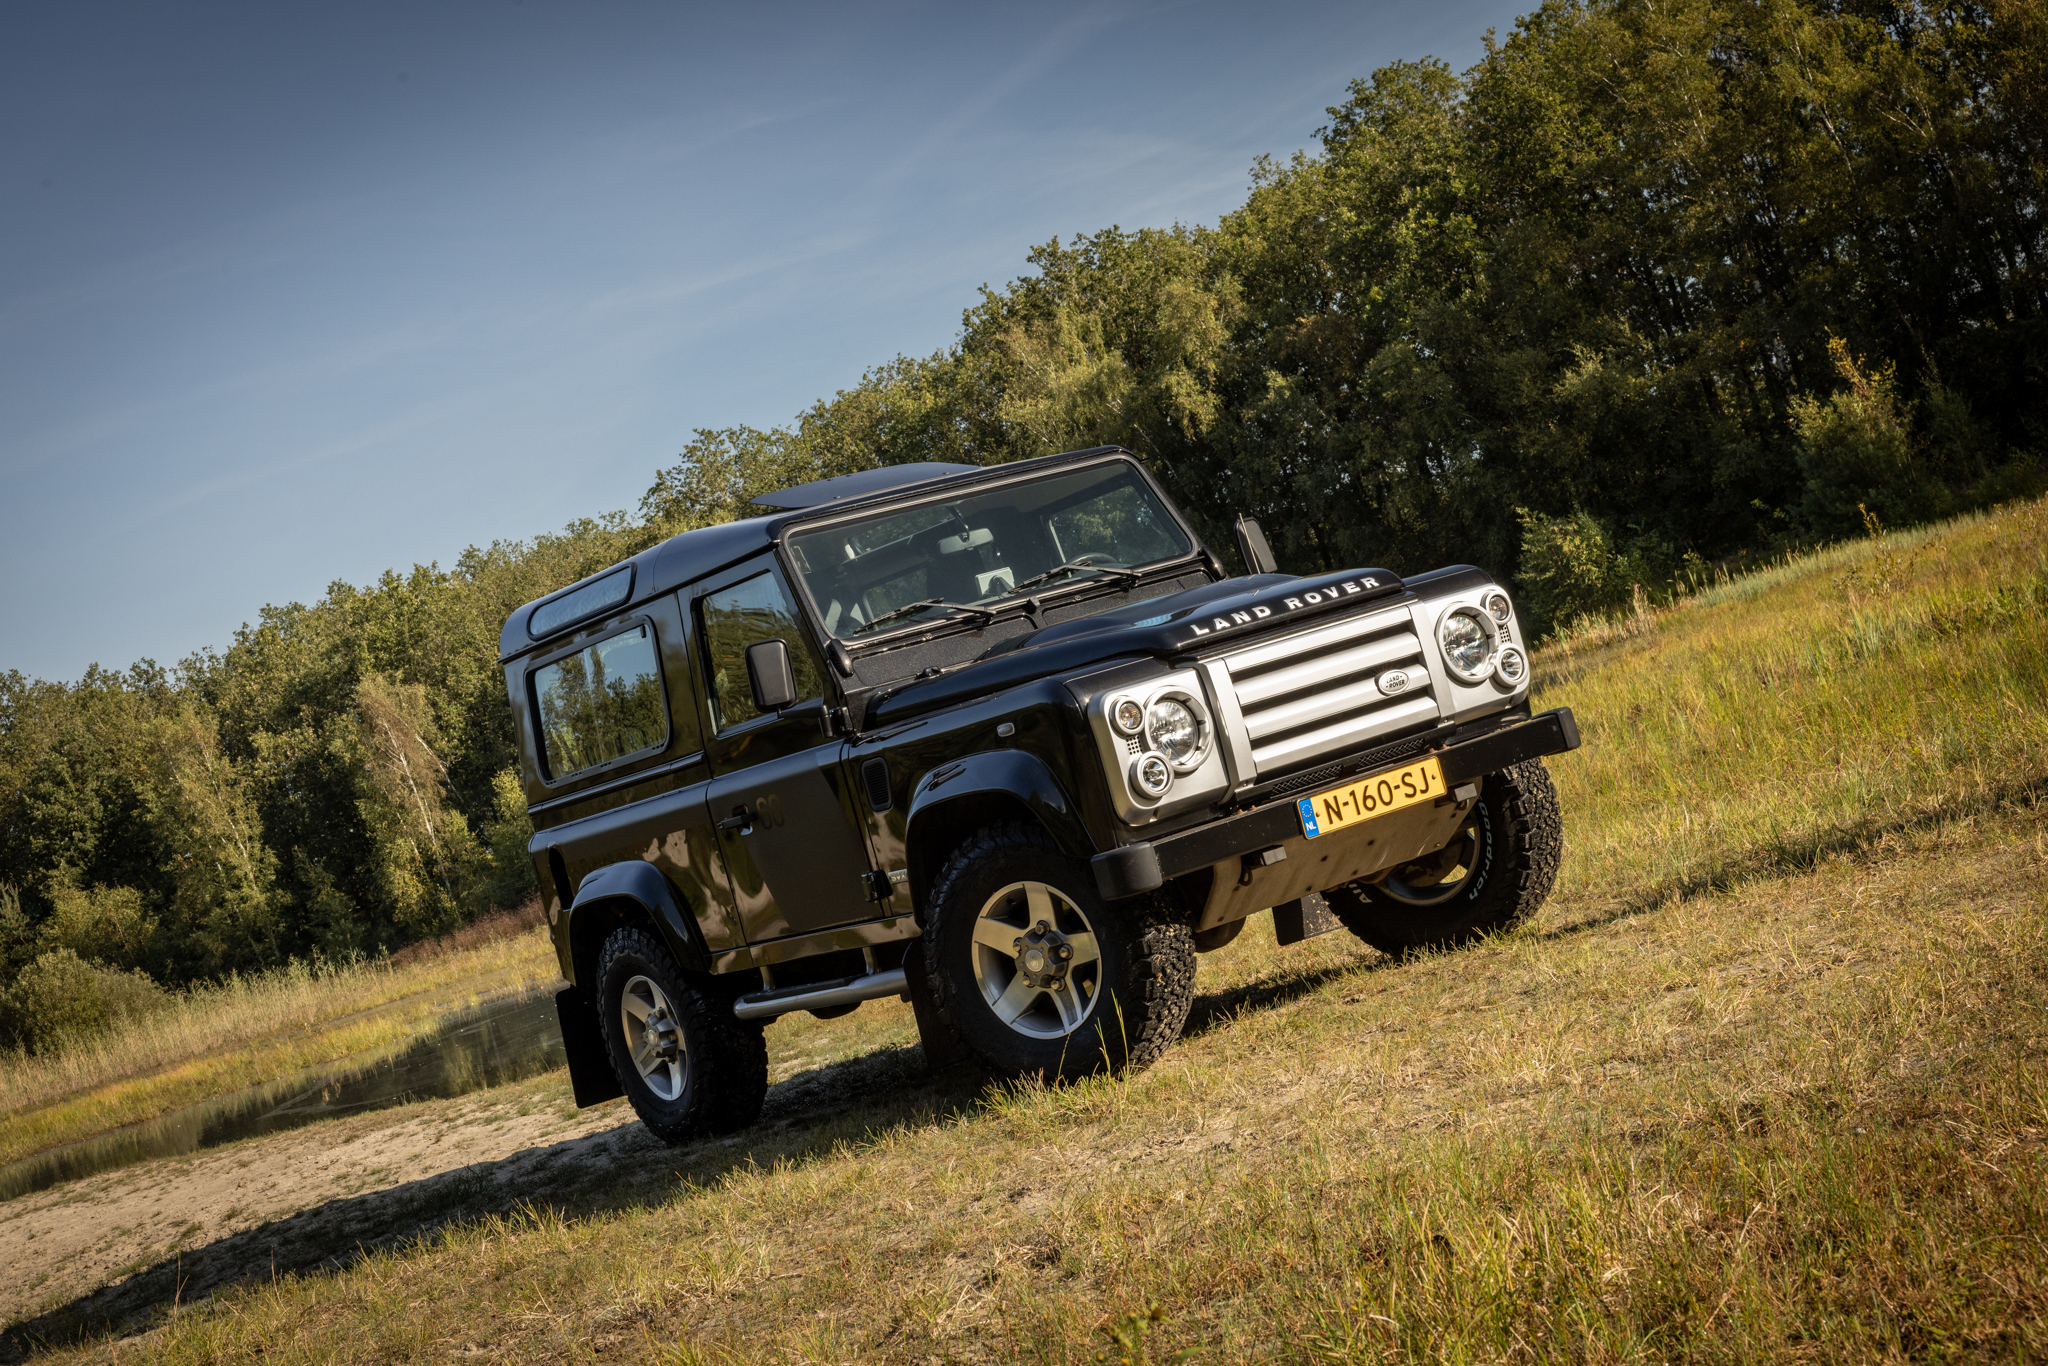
x=1008 y=742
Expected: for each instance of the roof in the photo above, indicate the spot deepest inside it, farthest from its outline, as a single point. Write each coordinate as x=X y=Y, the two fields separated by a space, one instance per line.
x=889 y=478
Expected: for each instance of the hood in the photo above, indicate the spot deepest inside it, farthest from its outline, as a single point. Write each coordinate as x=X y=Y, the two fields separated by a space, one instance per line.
x=1177 y=624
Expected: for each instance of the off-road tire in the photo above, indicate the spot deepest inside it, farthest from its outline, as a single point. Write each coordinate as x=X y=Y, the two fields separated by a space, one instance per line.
x=1520 y=836
x=727 y=1074
x=1147 y=962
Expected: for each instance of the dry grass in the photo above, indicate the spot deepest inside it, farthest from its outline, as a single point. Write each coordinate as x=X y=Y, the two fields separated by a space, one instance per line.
x=250 y=1029
x=1765 y=1082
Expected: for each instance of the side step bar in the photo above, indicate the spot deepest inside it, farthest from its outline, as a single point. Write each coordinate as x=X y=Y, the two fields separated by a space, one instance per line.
x=766 y=1005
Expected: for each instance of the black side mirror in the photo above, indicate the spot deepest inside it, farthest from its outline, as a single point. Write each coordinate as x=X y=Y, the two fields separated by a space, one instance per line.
x=1251 y=543
x=769 y=675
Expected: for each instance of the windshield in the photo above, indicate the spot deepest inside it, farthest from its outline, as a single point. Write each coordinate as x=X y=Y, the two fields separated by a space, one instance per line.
x=922 y=563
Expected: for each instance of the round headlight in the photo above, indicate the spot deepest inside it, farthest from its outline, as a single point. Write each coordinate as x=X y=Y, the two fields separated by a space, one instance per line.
x=1175 y=731
x=1467 y=644
x=1511 y=667
x=1127 y=716
x=1150 y=776
x=1497 y=607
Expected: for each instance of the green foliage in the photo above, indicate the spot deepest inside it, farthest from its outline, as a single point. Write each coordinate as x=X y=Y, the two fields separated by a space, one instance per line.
x=60 y=998
x=1856 y=448
x=103 y=924
x=506 y=835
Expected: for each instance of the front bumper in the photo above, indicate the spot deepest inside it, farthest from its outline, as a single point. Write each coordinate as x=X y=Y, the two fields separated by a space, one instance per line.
x=1146 y=866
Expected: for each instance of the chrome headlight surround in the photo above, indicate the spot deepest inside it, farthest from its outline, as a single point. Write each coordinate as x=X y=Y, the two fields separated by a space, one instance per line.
x=1497 y=606
x=1200 y=776
x=1481 y=618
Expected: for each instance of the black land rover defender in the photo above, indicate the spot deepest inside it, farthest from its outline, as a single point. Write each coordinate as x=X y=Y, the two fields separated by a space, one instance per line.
x=1008 y=742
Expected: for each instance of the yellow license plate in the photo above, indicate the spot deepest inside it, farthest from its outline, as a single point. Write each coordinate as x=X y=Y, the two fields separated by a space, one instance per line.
x=1420 y=781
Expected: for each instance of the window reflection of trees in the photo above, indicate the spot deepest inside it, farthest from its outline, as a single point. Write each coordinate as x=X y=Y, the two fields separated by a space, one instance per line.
x=601 y=703
x=977 y=548
x=734 y=618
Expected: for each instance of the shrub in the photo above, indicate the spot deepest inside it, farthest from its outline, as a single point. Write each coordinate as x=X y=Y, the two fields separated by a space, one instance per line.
x=60 y=998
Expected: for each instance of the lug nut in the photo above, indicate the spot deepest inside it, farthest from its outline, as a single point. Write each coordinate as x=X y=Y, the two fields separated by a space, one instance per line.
x=1066 y=951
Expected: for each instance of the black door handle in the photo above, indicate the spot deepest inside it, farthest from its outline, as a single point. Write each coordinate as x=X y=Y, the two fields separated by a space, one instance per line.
x=739 y=820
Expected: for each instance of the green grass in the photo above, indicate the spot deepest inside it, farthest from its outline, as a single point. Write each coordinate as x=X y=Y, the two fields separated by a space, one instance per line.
x=1764 y=1082
x=218 y=1039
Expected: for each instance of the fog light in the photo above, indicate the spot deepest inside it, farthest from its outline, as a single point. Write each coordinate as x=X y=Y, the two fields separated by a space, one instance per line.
x=1511 y=667
x=1151 y=775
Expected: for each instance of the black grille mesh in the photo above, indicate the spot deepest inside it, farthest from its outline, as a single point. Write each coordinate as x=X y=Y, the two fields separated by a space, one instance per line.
x=874 y=775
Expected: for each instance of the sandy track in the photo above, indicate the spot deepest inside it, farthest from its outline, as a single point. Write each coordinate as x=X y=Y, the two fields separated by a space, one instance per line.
x=117 y=1246
x=116 y=1251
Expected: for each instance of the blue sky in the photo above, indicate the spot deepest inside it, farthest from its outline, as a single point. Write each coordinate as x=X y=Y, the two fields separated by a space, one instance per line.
x=298 y=293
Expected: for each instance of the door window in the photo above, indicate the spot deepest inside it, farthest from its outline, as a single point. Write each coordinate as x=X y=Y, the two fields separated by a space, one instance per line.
x=601 y=703
x=734 y=618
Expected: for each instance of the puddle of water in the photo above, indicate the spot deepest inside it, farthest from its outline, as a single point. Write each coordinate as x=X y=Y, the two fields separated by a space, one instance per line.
x=477 y=1049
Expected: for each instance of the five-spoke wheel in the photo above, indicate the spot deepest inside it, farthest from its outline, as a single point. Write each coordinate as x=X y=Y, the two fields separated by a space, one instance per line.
x=654 y=1037
x=1036 y=960
x=688 y=1065
x=1034 y=973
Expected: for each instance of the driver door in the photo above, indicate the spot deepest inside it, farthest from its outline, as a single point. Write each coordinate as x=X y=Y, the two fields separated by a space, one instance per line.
x=786 y=816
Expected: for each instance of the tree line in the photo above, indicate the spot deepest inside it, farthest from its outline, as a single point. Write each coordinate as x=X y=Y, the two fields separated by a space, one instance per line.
x=1653 y=287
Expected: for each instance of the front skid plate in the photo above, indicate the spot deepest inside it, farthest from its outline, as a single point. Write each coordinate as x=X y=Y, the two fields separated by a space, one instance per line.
x=1340 y=856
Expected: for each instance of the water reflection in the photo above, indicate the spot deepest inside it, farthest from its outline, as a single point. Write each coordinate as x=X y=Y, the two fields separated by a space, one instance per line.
x=488 y=1046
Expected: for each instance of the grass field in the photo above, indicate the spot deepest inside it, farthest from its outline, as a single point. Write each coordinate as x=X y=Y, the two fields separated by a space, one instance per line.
x=219 y=1039
x=1764 y=1082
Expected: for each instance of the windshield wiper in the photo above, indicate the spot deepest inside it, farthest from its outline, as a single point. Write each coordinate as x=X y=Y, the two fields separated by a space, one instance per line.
x=1073 y=567
x=907 y=608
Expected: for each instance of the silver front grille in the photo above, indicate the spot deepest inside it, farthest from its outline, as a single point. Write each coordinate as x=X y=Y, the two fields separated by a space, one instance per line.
x=1317 y=693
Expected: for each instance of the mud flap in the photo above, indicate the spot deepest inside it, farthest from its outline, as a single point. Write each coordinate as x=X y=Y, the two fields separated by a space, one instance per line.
x=941 y=1049
x=1294 y=921
x=590 y=1066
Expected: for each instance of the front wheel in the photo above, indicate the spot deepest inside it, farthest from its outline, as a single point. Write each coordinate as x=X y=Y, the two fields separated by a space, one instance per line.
x=689 y=1067
x=1035 y=974
x=1494 y=874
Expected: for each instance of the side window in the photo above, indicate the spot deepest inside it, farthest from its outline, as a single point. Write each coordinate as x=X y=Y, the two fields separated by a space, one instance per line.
x=601 y=703
x=734 y=618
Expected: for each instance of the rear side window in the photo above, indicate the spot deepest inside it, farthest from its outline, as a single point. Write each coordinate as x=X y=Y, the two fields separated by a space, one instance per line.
x=734 y=618
x=601 y=703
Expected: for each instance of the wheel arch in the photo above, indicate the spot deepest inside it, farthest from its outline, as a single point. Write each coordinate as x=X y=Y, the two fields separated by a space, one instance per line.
x=633 y=894
x=955 y=800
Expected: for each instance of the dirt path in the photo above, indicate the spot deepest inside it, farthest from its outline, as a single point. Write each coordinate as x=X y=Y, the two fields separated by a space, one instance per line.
x=117 y=1251
x=299 y=1199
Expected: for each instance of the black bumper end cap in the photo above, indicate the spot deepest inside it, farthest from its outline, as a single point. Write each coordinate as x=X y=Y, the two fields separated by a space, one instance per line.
x=1128 y=871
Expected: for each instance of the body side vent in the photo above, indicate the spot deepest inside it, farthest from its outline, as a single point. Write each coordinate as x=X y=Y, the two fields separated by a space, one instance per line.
x=874 y=776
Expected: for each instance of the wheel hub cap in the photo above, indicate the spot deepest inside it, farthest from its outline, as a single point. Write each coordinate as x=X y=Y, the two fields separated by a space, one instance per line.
x=1036 y=960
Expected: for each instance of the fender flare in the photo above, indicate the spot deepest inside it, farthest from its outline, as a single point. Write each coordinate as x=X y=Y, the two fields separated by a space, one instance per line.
x=1017 y=778
x=640 y=884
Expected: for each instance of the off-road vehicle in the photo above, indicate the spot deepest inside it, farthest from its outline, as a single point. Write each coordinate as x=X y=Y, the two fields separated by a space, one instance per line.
x=1009 y=742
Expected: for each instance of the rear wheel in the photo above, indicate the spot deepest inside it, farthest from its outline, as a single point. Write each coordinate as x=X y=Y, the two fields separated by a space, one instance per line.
x=690 y=1068
x=1034 y=974
x=1494 y=874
